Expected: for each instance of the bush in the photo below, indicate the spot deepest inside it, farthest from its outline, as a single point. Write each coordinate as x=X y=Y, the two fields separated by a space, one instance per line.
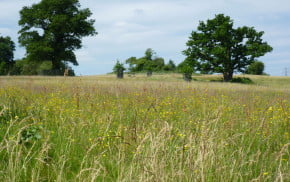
x=25 y=67
x=30 y=134
x=242 y=80
x=256 y=68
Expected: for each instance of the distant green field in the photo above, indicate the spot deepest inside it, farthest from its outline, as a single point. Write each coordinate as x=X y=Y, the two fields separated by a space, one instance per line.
x=159 y=128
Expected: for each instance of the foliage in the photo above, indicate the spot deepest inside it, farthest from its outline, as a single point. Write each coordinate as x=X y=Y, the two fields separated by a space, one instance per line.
x=26 y=67
x=119 y=69
x=243 y=80
x=170 y=66
x=186 y=69
x=256 y=68
x=217 y=47
x=17 y=67
x=7 y=47
x=30 y=134
x=52 y=30
x=45 y=65
x=150 y=62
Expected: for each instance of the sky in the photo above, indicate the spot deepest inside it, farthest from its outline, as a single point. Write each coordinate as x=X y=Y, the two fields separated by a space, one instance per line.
x=127 y=28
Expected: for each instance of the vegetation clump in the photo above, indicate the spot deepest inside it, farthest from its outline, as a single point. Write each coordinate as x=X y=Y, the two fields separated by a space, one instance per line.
x=149 y=63
x=256 y=68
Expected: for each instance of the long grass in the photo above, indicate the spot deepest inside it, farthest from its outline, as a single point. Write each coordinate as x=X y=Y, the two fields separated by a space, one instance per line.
x=143 y=129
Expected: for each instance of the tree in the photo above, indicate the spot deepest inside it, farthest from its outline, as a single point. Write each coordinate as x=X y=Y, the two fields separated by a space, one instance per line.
x=217 y=47
x=51 y=30
x=158 y=64
x=256 y=68
x=149 y=63
x=149 y=54
x=7 y=47
x=23 y=67
x=119 y=69
x=170 y=66
x=132 y=61
x=186 y=69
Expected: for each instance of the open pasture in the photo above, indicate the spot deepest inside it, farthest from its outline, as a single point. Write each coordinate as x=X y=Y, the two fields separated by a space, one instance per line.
x=98 y=128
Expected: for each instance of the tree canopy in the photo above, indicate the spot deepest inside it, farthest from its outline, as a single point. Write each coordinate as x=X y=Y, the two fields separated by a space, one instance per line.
x=7 y=47
x=185 y=68
x=218 y=47
x=256 y=68
x=51 y=30
x=149 y=62
x=170 y=66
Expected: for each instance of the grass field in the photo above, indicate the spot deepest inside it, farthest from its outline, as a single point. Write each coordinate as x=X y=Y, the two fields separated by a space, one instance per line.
x=98 y=128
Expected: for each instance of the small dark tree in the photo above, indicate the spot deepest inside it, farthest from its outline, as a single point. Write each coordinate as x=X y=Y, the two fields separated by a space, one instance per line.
x=217 y=47
x=256 y=68
x=186 y=69
x=119 y=70
x=52 y=30
x=7 y=47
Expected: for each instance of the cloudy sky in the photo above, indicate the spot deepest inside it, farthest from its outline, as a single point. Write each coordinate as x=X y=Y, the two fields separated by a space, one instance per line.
x=128 y=27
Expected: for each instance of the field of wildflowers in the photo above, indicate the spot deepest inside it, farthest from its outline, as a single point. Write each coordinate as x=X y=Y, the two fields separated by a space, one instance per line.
x=143 y=129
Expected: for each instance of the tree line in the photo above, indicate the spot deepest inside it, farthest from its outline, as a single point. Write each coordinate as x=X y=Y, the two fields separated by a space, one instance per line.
x=149 y=63
x=217 y=47
x=52 y=30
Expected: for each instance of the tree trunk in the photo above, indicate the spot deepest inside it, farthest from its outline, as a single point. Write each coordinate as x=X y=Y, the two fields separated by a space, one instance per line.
x=187 y=77
x=57 y=68
x=149 y=73
x=55 y=65
x=120 y=74
x=228 y=76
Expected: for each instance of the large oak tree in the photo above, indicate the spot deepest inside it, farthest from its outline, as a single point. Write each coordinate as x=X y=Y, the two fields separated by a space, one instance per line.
x=52 y=30
x=218 y=47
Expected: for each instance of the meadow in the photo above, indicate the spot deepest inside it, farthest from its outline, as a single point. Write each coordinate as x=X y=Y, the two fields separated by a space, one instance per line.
x=99 y=128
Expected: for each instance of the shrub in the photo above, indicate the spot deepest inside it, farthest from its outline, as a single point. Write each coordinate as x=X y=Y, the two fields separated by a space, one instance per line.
x=256 y=68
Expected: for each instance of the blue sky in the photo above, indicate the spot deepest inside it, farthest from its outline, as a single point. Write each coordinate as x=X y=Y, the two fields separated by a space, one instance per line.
x=128 y=27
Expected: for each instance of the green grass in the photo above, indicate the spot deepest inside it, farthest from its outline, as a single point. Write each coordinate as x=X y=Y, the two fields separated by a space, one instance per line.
x=98 y=128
